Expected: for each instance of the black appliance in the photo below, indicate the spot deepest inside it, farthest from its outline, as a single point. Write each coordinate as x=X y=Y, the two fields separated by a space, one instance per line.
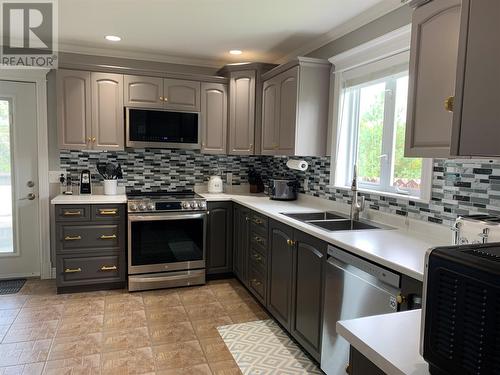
x=283 y=188
x=166 y=239
x=162 y=129
x=461 y=312
x=85 y=182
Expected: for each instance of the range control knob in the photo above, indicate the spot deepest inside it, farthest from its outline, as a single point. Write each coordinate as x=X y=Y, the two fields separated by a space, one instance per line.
x=132 y=207
x=142 y=207
x=202 y=205
x=151 y=206
x=185 y=205
x=194 y=206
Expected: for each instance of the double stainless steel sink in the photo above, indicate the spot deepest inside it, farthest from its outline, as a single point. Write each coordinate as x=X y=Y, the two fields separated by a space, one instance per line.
x=333 y=221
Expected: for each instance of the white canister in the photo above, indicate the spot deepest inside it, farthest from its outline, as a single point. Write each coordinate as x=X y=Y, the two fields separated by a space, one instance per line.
x=110 y=187
x=215 y=184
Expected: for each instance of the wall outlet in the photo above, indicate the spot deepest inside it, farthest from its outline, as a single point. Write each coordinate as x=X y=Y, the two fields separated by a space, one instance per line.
x=54 y=176
x=229 y=178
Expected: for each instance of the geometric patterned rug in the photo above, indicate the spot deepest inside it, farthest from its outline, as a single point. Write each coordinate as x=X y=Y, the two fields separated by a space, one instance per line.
x=261 y=347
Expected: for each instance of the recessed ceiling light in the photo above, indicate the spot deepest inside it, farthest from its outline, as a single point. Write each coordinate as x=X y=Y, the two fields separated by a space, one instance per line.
x=113 y=38
x=235 y=52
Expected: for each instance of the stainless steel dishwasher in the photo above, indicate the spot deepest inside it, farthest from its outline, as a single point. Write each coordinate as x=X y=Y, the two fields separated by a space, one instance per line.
x=354 y=288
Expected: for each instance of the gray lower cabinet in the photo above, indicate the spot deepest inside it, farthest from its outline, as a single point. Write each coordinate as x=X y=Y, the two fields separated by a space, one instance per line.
x=90 y=247
x=241 y=242
x=220 y=238
x=280 y=271
x=307 y=301
x=360 y=365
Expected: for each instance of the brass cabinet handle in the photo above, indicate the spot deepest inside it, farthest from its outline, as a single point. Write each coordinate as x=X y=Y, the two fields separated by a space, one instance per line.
x=72 y=213
x=107 y=212
x=400 y=299
x=165 y=99
x=93 y=139
x=107 y=237
x=256 y=282
x=348 y=369
x=257 y=257
x=449 y=103
x=109 y=268
x=72 y=270
x=89 y=139
x=72 y=238
x=247 y=218
x=161 y=98
x=290 y=242
x=258 y=221
x=258 y=239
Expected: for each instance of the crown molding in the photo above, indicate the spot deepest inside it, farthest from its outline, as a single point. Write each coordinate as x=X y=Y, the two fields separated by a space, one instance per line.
x=147 y=56
x=351 y=25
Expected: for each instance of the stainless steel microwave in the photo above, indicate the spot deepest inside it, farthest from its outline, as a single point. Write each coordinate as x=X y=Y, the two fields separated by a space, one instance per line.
x=162 y=129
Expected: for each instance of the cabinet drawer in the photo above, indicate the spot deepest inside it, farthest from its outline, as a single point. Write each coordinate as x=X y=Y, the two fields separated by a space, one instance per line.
x=257 y=283
x=259 y=221
x=73 y=237
x=87 y=270
x=79 y=212
x=258 y=259
x=259 y=240
x=107 y=212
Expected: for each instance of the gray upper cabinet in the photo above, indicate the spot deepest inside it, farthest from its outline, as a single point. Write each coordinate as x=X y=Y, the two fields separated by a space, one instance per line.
x=73 y=109
x=242 y=112
x=143 y=92
x=295 y=108
x=476 y=124
x=181 y=95
x=433 y=62
x=107 y=111
x=90 y=110
x=213 y=118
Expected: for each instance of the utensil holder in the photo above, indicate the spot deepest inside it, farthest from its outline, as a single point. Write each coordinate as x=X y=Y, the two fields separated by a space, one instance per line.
x=110 y=187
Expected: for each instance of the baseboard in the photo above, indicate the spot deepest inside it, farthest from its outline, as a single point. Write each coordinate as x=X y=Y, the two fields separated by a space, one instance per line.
x=19 y=276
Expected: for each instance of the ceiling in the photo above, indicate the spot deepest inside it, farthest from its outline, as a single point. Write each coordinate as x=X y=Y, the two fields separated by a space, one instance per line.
x=203 y=31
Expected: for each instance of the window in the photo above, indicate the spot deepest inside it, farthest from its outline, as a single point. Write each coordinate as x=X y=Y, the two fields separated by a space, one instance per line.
x=370 y=129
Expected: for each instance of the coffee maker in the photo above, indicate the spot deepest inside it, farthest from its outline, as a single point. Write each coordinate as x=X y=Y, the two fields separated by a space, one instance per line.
x=85 y=182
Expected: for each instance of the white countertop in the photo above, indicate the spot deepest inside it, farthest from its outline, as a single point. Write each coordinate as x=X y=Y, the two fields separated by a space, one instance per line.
x=400 y=249
x=89 y=199
x=390 y=341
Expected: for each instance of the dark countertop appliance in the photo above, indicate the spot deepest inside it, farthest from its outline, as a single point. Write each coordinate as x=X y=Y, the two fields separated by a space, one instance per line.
x=461 y=311
x=283 y=188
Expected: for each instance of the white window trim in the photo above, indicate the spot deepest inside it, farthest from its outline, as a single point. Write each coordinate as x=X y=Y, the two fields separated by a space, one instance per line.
x=390 y=44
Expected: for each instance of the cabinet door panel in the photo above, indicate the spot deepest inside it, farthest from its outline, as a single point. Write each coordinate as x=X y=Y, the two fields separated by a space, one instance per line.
x=73 y=109
x=241 y=242
x=219 y=244
x=308 y=292
x=287 y=111
x=280 y=272
x=108 y=131
x=242 y=113
x=478 y=112
x=143 y=92
x=433 y=62
x=213 y=118
x=182 y=95
x=270 y=117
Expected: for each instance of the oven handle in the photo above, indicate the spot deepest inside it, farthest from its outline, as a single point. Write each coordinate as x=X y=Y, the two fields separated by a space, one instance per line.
x=132 y=218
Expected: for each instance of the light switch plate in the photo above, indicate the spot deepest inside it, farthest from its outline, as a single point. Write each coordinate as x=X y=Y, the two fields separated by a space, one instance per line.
x=54 y=176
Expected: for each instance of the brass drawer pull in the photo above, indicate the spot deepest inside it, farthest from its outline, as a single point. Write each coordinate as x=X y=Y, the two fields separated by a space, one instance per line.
x=258 y=221
x=109 y=268
x=257 y=257
x=72 y=238
x=72 y=270
x=107 y=212
x=256 y=282
x=106 y=237
x=258 y=239
x=290 y=242
x=449 y=104
x=72 y=213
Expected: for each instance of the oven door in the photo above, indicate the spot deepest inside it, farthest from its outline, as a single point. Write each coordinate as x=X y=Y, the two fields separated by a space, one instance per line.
x=166 y=242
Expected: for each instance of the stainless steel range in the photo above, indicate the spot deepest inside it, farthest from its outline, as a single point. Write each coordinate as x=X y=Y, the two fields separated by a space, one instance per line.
x=166 y=239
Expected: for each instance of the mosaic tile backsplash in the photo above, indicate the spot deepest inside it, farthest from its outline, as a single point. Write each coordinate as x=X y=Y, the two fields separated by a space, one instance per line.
x=459 y=187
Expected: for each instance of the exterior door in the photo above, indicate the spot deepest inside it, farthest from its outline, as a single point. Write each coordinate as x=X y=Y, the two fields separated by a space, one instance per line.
x=19 y=220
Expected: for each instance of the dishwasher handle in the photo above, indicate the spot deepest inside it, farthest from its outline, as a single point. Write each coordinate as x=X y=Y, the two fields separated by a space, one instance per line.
x=383 y=275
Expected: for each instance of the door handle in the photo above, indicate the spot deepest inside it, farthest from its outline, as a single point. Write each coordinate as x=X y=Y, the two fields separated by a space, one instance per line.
x=29 y=197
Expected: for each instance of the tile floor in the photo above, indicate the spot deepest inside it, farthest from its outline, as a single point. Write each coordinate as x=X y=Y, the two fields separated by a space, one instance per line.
x=171 y=331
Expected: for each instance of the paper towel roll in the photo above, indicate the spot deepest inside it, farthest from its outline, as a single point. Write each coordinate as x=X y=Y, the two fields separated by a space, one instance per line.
x=299 y=165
